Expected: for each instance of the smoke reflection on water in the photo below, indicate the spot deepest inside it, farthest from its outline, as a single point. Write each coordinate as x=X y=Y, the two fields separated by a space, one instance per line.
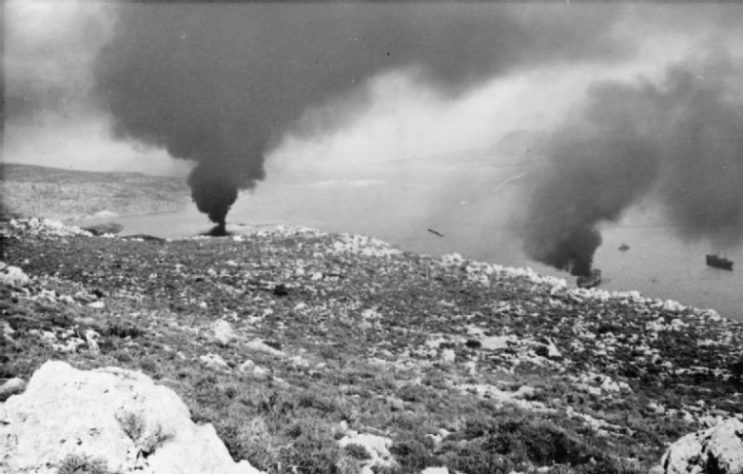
x=657 y=264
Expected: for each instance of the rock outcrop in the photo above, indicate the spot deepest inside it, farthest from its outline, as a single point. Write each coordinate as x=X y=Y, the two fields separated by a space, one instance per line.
x=12 y=276
x=114 y=419
x=718 y=450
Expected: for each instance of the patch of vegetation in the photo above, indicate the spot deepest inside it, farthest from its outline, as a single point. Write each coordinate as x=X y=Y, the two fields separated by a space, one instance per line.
x=81 y=464
x=133 y=425
x=312 y=452
x=356 y=451
x=412 y=454
x=154 y=440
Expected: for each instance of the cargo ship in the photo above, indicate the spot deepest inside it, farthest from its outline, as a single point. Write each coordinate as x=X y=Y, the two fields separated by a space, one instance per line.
x=719 y=262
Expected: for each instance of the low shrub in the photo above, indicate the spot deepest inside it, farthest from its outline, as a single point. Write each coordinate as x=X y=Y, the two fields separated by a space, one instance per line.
x=80 y=464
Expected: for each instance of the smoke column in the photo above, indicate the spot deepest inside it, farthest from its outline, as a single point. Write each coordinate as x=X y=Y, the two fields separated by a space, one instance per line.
x=679 y=141
x=219 y=84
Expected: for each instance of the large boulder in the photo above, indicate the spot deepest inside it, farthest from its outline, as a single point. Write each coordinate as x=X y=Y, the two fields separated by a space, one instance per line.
x=113 y=419
x=718 y=450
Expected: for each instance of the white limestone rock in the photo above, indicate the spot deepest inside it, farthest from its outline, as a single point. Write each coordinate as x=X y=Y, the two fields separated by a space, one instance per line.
x=214 y=361
x=223 y=332
x=718 y=449
x=448 y=356
x=11 y=275
x=116 y=417
x=496 y=343
x=435 y=470
x=11 y=387
x=259 y=346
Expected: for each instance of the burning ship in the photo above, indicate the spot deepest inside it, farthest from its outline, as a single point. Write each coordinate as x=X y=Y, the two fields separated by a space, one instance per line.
x=590 y=280
x=585 y=277
x=714 y=260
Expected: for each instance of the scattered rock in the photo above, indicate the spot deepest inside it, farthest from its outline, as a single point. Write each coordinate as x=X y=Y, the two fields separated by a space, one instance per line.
x=118 y=418
x=363 y=245
x=552 y=351
x=223 y=332
x=435 y=470
x=259 y=372
x=526 y=392
x=90 y=339
x=376 y=446
x=11 y=387
x=12 y=276
x=718 y=450
x=97 y=305
x=214 y=361
x=448 y=355
x=7 y=331
x=495 y=343
x=260 y=346
x=246 y=366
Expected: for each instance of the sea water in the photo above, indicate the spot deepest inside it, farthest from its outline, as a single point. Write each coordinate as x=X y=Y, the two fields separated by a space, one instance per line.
x=657 y=263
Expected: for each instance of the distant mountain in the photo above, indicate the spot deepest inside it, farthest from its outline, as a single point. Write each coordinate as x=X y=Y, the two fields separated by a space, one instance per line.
x=29 y=190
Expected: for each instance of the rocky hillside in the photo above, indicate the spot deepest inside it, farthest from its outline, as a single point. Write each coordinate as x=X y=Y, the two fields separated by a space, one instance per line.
x=323 y=353
x=28 y=190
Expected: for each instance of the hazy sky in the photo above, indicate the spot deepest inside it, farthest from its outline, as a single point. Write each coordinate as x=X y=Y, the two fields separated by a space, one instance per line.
x=276 y=91
x=52 y=116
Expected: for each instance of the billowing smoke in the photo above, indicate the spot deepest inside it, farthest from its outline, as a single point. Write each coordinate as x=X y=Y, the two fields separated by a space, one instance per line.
x=219 y=84
x=702 y=184
x=679 y=141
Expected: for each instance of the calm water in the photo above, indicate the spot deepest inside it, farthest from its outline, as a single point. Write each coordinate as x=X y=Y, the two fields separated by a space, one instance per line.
x=657 y=264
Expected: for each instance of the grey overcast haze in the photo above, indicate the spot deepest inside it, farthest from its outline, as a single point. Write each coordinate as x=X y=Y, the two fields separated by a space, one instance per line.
x=617 y=104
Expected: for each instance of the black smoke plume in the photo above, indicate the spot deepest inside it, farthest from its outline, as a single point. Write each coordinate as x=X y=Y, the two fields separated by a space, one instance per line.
x=219 y=84
x=679 y=141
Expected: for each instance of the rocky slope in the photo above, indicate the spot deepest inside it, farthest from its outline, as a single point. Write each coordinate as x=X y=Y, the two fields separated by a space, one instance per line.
x=316 y=353
x=28 y=190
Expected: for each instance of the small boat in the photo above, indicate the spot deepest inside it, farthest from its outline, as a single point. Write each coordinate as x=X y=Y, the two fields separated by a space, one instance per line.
x=590 y=280
x=719 y=262
x=624 y=247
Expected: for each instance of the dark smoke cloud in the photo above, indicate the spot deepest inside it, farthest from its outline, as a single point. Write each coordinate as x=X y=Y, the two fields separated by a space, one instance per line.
x=679 y=141
x=702 y=188
x=220 y=83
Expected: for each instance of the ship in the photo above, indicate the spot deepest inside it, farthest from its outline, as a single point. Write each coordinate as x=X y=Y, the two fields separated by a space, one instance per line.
x=624 y=247
x=719 y=262
x=590 y=280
